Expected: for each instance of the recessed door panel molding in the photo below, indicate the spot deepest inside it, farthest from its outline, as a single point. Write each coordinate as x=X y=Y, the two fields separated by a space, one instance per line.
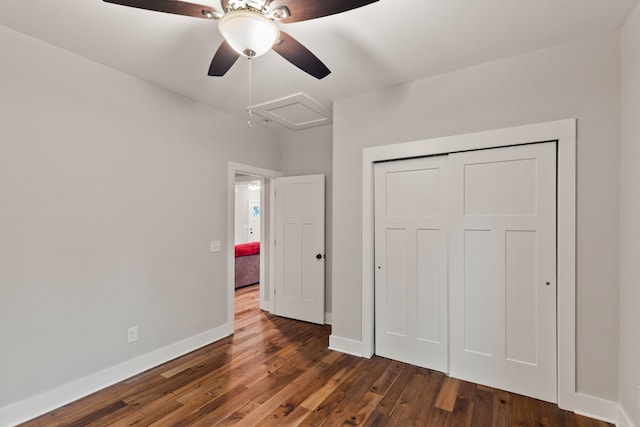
x=479 y=311
x=396 y=275
x=512 y=184
x=428 y=285
x=502 y=279
x=411 y=257
x=521 y=294
x=413 y=193
x=292 y=271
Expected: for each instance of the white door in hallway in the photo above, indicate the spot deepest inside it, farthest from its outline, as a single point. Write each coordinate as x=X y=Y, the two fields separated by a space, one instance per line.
x=299 y=248
x=411 y=261
x=254 y=214
x=502 y=268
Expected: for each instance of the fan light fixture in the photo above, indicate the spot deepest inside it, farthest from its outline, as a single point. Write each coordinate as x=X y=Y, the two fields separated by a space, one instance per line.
x=249 y=33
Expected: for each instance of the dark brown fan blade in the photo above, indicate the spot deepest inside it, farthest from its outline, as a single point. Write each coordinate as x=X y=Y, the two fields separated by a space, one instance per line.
x=294 y=52
x=224 y=58
x=303 y=10
x=172 y=6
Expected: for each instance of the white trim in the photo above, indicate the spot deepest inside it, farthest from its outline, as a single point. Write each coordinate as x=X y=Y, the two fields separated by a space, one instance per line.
x=67 y=393
x=563 y=131
x=345 y=345
x=271 y=307
x=601 y=409
x=596 y=408
x=328 y=318
x=622 y=419
x=267 y=204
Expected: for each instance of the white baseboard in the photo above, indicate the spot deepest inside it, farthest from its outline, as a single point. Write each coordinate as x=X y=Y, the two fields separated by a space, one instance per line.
x=600 y=409
x=623 y=419
x=41 y=404
x=345 y=345
x=594 y=407
x=328 y=320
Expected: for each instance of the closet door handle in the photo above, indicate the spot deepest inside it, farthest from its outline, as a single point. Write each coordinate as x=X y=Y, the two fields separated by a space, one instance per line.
x=319 y=256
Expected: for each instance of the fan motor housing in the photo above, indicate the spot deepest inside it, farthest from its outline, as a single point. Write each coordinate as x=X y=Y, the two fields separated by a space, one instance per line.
x=260 y=6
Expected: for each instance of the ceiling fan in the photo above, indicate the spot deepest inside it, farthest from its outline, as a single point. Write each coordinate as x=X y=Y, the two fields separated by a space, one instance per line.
x=249 y=27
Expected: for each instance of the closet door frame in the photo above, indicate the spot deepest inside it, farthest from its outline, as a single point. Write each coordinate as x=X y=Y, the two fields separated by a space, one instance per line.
x=562 y=131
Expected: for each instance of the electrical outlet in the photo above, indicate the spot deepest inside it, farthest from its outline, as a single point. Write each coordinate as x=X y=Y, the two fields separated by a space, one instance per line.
x=132 y=334
x=214 y=246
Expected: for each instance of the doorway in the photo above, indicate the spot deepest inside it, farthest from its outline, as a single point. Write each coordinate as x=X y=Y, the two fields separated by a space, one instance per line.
x=265 y=178
x=247 y=230
x=295 y=195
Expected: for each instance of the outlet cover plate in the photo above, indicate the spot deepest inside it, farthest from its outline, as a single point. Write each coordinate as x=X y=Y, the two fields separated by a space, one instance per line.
x=132 y=334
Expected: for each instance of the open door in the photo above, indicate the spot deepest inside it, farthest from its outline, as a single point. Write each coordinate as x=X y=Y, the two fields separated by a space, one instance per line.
x=299 y=248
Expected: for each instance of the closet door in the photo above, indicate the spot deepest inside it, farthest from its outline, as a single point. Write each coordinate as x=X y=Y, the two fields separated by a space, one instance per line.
x=411 y=261
x=503 y=268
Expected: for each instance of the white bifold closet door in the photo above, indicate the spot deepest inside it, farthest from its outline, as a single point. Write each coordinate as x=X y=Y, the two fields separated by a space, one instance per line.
x=503 y=268
x=411 y=261
x=478 y=227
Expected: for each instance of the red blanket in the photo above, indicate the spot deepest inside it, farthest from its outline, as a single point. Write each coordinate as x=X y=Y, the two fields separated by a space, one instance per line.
x=245 y=249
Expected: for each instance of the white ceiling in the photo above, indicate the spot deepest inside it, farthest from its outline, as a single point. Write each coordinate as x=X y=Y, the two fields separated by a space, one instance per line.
x=376 y=46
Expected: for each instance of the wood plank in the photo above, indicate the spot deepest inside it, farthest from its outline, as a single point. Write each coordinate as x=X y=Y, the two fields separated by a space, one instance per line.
x=463 y=410
x=388 y=377
x=501 y=404
x=404 y=410
x=391 y=398
x=356 y=405
x=344 y=366
x=427 y=396
x=483 y=408
x=448 y=394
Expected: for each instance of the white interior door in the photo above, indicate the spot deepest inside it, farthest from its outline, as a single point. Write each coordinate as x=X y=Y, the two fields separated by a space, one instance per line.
x=503 y=268
x=299 y=248
x=254 y=214
x=411 y=261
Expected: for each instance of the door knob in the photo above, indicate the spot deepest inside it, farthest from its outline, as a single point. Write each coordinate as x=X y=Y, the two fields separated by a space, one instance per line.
x=319 y=256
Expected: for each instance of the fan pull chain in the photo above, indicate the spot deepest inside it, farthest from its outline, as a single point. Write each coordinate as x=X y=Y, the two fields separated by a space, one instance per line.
x=249 y=124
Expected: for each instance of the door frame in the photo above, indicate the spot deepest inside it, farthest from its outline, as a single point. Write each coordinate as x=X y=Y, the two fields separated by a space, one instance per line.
x=267 y=225
x=562 y=131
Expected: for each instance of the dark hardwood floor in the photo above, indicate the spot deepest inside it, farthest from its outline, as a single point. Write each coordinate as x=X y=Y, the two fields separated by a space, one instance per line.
x=276 y=371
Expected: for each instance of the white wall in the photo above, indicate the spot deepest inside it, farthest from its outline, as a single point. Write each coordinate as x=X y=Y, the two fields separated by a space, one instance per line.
x=309 y=152
x=581 y=80
x=110 y=190
x=630 y=220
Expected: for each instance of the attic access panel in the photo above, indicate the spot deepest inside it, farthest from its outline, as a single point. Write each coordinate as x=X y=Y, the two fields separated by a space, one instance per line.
x=295 y=112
